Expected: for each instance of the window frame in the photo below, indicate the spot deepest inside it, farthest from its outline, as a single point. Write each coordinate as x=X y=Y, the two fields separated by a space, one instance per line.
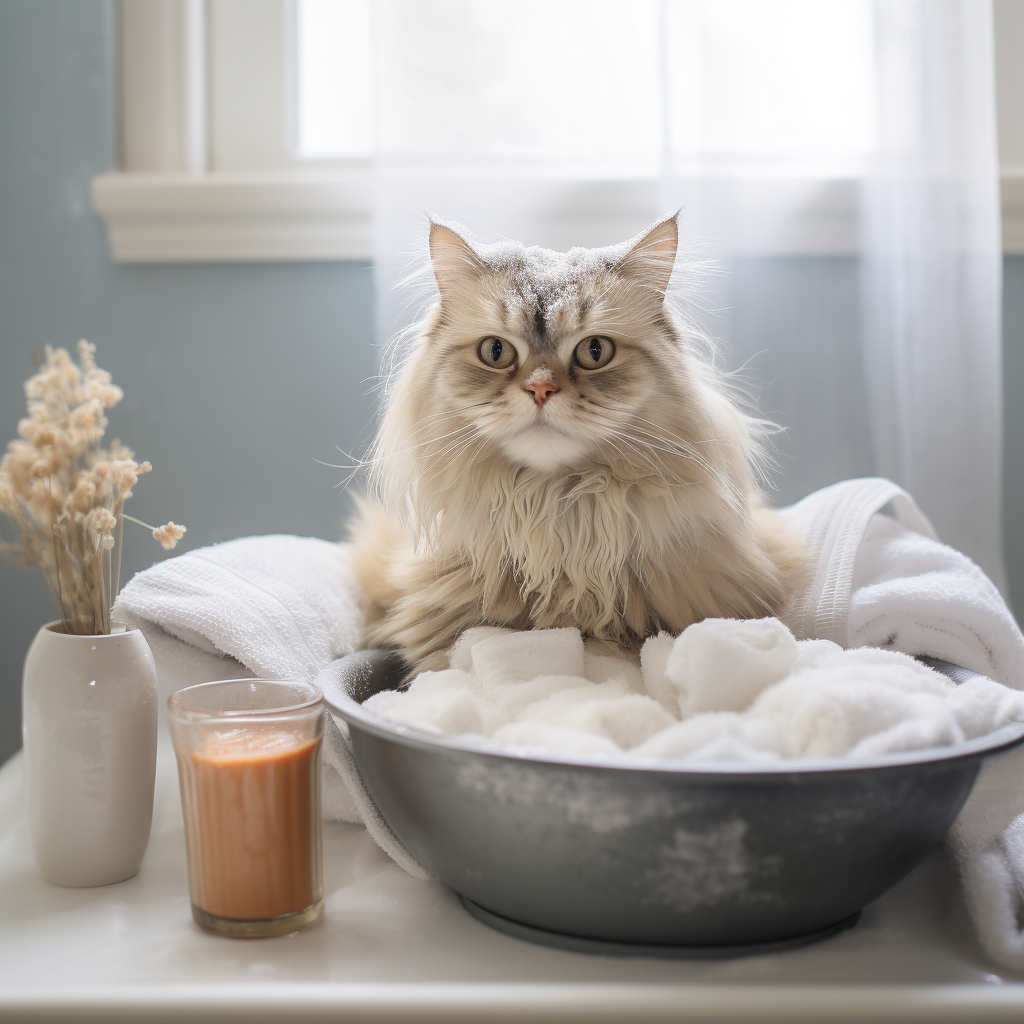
x=200 y=178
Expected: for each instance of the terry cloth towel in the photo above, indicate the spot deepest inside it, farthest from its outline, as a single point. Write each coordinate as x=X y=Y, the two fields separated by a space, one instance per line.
x=287 y=606
x=884 y=580
x=278 y=607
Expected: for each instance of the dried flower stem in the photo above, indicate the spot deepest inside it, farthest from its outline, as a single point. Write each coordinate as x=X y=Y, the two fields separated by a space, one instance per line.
x=66 y=494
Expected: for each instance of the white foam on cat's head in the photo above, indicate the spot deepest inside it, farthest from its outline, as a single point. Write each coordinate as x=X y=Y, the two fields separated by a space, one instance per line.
x=543 y=304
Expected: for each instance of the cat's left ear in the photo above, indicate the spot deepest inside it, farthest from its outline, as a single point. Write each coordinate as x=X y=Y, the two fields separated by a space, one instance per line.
x=652 y=256
x=454 y=262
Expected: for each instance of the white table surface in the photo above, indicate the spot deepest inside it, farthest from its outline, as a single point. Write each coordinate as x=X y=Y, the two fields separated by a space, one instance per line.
x=390 y=947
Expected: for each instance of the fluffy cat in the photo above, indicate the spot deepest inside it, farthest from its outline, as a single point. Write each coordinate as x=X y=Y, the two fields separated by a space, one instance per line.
x=555 y=451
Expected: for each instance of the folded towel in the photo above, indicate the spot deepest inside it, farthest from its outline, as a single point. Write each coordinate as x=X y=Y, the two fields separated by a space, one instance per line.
x=286 y=606
x=913 y=595
x=278 y=607
x=883 y=579
x=283 y=606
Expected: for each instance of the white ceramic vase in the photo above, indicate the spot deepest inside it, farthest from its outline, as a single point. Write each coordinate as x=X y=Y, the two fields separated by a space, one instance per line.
x=89 y=725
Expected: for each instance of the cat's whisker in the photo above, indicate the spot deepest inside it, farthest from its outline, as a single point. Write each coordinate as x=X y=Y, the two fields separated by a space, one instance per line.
x=656 y=463
x=376 y=458
x=678 y=446
x=691 y=449
x=651 y=462
x=729 y=493
x=671 y=449
x=684 y=448
x=686 y=445
x=661 y=426
x=343 y=484
x=686 y=451
x=453 y=451
x=422 y=444
x=623 y=430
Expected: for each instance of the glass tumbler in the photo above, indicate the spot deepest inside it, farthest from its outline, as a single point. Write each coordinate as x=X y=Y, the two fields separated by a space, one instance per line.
x=248 y=755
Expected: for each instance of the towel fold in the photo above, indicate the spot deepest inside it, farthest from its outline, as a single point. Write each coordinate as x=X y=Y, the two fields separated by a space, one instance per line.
x=278 y=607
x=283 y=606
x=914 y=595
x=287 y=607
x=883 y=579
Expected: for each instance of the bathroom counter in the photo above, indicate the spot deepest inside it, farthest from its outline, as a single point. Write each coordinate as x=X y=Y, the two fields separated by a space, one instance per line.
x=390 y=947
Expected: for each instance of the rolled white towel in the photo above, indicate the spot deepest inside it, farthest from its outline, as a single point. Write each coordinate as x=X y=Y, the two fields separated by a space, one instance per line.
x=599 y=667
x=504 y=704
x=914 y=595
x=545 y=738
x=714 y=736
x=724 y=664
x=504 y=658
x=861 y=704
x=982 y=705
x=811 y=653
x=653 y=658
x=606 y=709
x=444 y=702
x=461 y=654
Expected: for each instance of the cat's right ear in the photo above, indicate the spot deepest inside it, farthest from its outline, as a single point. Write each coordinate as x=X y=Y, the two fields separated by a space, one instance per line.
x=454 y=262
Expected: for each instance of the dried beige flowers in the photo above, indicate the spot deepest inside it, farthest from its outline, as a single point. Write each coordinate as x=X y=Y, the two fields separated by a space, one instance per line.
x=66 y=494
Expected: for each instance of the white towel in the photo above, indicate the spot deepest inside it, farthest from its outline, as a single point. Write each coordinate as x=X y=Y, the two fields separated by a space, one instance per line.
x=746 y=690
x=885 y=580
x=285 y=606
x=723 y=664
x=279 y=607
x=913 y=595
x=497 y=659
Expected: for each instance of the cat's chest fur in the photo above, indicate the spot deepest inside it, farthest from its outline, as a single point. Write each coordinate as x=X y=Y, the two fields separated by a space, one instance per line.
x=588 y=551
x=617 y=559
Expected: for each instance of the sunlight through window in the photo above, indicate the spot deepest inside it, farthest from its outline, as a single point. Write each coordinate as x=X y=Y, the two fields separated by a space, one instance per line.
x=731 y=83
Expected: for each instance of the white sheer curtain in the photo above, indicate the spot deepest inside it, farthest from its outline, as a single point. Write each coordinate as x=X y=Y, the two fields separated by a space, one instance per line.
x=933 y=270
x=851 y=142
x=512 y=118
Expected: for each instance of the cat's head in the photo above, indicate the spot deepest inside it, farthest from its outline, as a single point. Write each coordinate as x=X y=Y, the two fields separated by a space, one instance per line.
x=550 y=356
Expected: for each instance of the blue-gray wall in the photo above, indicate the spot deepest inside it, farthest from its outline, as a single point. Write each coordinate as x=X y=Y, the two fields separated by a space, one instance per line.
x=238 y=377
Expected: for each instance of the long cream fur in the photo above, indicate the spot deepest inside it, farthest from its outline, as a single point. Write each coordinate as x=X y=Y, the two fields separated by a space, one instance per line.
x=625 y=505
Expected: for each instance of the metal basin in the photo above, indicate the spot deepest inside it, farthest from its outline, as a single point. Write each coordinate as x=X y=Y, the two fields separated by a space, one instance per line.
x=650 y=853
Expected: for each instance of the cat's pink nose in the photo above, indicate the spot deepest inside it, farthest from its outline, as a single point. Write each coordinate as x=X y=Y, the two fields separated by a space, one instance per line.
x=542 y=390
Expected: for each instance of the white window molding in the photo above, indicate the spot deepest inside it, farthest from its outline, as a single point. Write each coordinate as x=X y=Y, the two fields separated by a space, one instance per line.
x=161 y=86
x=206 y=173
x=157 y=218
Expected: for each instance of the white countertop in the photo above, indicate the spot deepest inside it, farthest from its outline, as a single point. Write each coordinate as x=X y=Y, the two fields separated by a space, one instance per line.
x=393 y=948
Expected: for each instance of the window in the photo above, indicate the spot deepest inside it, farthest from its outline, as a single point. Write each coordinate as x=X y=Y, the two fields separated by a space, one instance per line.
x=331 y=75
x=714 y=81
x=249 y=127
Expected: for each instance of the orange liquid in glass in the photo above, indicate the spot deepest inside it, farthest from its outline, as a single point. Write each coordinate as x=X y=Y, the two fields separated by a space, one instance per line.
x=255 y=802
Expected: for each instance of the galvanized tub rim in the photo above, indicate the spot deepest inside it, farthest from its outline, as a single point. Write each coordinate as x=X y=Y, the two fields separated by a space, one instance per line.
x=1000 y=740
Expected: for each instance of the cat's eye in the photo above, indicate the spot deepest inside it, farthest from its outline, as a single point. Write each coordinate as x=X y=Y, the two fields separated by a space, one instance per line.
x=496 y=353
x=593 y=353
